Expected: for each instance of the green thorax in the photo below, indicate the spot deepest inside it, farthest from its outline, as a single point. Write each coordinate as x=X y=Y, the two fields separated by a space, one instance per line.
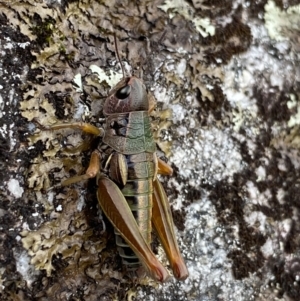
x=129 y=133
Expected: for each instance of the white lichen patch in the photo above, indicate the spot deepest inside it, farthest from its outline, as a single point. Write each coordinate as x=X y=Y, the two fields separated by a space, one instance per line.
x=255 y=196
x=257 y=219
x=204 y=268
x=261 y=173
x=14 y=188
x=204 y=26
x=268 y=248
x=215 y=154
x=24 y=267
x=78 y=83
x=238 y=85
x=281 y=24
x=181 y=68
x=237 y=88
x=2 y=279
x=111 y=79
x=179 y=113
x=294 y=119
x=284 y=227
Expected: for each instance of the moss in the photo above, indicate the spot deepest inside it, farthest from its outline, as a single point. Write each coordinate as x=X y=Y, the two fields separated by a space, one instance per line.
x=43 y=29
x=226 y=37
x=243 y=265
x=277 y=110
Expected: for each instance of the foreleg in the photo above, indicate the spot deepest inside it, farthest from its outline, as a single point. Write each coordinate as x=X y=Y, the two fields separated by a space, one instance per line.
x=82 y=126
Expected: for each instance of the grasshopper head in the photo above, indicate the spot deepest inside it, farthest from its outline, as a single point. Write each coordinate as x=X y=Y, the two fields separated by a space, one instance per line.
x=127 y=96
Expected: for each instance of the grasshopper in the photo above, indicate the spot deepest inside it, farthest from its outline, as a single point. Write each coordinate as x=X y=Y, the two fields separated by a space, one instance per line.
x=125 y=165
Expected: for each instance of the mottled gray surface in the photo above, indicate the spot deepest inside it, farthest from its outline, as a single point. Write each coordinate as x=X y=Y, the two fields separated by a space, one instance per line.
x=229 y=73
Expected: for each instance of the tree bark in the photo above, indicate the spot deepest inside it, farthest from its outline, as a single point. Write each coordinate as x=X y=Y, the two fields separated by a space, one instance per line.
x=227 y=83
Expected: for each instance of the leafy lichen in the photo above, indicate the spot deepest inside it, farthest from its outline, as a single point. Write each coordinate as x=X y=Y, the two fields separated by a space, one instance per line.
x=66 y=235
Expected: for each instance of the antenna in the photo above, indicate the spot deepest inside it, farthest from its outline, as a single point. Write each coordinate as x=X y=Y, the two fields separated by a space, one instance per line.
x=117 y=52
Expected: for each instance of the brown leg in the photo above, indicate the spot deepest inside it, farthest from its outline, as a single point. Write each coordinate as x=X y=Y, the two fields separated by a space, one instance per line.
x=152 y=102
x=84 y=127
x=163 y=223
x=164 y=168
x=115 y=207
x=91 y=172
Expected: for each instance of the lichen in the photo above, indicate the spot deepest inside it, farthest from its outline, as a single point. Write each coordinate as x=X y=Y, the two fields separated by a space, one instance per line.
x=70 y=85
x=229 y=140
x=202 y=25
x=66 y=235
x=281 y=24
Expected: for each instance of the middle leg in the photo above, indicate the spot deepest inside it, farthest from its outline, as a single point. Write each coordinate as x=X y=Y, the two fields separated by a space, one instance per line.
x=91 y=172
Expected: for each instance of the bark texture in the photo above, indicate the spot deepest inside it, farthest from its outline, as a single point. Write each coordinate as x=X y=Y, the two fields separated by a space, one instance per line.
x=225 y=75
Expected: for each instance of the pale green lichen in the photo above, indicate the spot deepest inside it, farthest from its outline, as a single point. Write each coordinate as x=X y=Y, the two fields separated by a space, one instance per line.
x=20 y=14
x=66 y=235
x=111 y=79
x=293 y=102
x=213 y=72
x=290 y=136
x=294 y=119
x=31 y=108
x=202 y=25
x=280 y=24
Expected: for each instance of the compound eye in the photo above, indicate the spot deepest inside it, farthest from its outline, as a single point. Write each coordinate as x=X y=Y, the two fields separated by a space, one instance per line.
x=123 y=92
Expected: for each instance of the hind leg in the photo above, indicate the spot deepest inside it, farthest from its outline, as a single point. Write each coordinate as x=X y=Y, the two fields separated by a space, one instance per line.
x=163 y=223
x=116 y=208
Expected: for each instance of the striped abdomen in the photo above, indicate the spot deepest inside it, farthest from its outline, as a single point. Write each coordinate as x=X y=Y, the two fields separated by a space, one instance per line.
x=138 y=193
